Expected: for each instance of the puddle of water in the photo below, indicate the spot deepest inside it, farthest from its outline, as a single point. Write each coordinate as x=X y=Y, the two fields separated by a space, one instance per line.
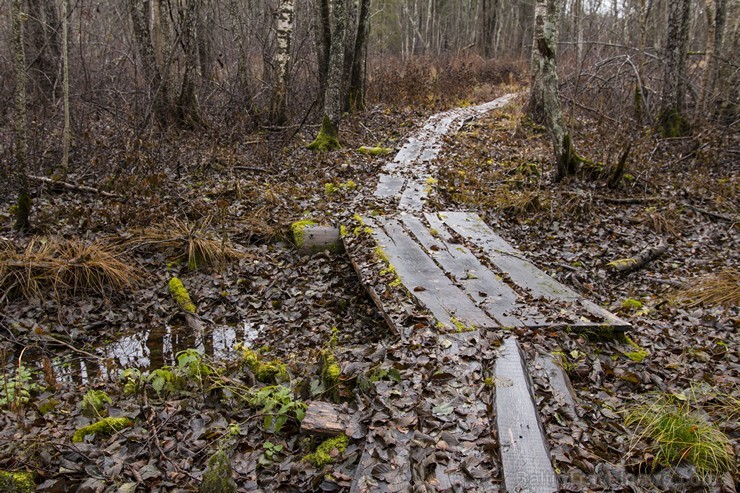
x=154 y=348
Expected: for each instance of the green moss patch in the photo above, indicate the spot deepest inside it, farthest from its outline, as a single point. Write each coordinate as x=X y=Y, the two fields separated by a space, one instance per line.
x=180 y=295
x=106 y=426
x=328 y=451
x=298 y=227
x=17 y=482
x=375 y=151
x=266 y=372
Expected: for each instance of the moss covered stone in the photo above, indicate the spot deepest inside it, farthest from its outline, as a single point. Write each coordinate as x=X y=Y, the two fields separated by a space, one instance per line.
x=180 y=295
x=106 y=426
x=217 y=478
x=327 y=139
x=328 y=451
x=17 y=482
x=298 y=227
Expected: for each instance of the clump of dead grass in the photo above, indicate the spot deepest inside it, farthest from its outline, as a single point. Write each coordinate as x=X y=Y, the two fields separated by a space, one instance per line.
x=63 y=267
x=720 y=289
x=193 y=243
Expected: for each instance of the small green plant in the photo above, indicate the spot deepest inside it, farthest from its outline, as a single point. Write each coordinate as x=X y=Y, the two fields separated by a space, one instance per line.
x=132 y=381
x=269 y=454
x=679 y=432
x=16 y=390
x=94 y=403
x=277 y=405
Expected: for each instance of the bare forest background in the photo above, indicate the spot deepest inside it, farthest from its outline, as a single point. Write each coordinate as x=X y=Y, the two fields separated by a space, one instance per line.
x=236 y=66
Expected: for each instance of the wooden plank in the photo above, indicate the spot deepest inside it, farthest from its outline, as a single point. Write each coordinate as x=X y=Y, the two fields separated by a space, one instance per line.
x=479 y=282
x=389 y=186
x=415 y=194
x=426 y=281
x=524 y=454
x=525 y=274
x=396 y=329
x=324 y=418
x=559 y=383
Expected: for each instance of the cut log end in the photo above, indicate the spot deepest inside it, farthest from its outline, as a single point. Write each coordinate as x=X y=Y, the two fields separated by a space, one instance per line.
x=311 y=238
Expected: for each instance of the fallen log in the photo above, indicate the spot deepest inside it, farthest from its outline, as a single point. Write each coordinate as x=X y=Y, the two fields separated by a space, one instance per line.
x=309 y=237
x=73 y=187
x=182 y=298
x=638 y=261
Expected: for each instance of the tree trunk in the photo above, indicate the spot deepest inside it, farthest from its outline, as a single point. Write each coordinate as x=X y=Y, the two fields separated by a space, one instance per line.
x=356 y=92
x=327 y=138
x=67 y=132
x=323 y=44
x=156 y=86
x=544 y=102
x=23 y=209
x=672 y=120
x=284 y=32
x=487 y=29
x=187 y=111
x=43 y=40
x=716 y=14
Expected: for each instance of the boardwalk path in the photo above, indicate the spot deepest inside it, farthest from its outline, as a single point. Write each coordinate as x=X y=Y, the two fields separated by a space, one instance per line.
x=467 y=420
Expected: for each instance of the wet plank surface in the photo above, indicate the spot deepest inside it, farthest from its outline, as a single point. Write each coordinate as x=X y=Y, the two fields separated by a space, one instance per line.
x=531 y=280
x=426 y=281
x=524 y=453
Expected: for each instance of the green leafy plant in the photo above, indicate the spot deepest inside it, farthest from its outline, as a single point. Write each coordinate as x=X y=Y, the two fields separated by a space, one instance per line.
x=678 y=432
x=270 y=453
x=277 y=405
x=94 y=403
x=16 y=390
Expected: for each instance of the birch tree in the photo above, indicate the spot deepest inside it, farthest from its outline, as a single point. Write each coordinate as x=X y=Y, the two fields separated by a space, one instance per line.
x=544 y=101
x=328 y=137
x=67 y=132
x=716 y=14
x=284 y=35
x=23 y=205
x=672 y=120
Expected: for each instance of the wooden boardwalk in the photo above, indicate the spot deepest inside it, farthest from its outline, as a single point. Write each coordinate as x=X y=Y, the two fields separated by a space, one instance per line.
x=478 y=289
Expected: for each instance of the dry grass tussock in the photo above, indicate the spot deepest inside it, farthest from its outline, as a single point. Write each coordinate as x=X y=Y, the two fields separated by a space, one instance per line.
x=193 y=243
x=722 y=288
x=62 y=267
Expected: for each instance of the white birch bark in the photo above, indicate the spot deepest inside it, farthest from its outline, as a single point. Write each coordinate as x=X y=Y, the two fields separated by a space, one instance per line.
x=284 y=38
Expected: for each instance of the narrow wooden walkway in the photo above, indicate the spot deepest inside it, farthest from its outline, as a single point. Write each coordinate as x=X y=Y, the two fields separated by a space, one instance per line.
x=478 y=288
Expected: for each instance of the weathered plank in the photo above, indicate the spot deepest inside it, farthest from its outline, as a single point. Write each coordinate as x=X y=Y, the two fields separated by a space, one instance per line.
x=324 y=418
x=559 y=383
x=525 y=274
x=478 y=281
x=428 y=283
x=415 y=194
x=524 y=453
x=389 y=186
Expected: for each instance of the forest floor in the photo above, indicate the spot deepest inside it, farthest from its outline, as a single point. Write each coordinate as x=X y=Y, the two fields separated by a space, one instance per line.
x=226 y=202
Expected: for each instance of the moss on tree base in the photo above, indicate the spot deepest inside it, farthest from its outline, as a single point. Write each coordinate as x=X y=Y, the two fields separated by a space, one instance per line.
x=327 y=139
x=673 y=124
x=22 y=212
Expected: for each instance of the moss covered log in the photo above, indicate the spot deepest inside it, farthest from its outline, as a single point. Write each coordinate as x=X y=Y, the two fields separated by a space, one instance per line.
x=180 y=295
x=106 y=426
